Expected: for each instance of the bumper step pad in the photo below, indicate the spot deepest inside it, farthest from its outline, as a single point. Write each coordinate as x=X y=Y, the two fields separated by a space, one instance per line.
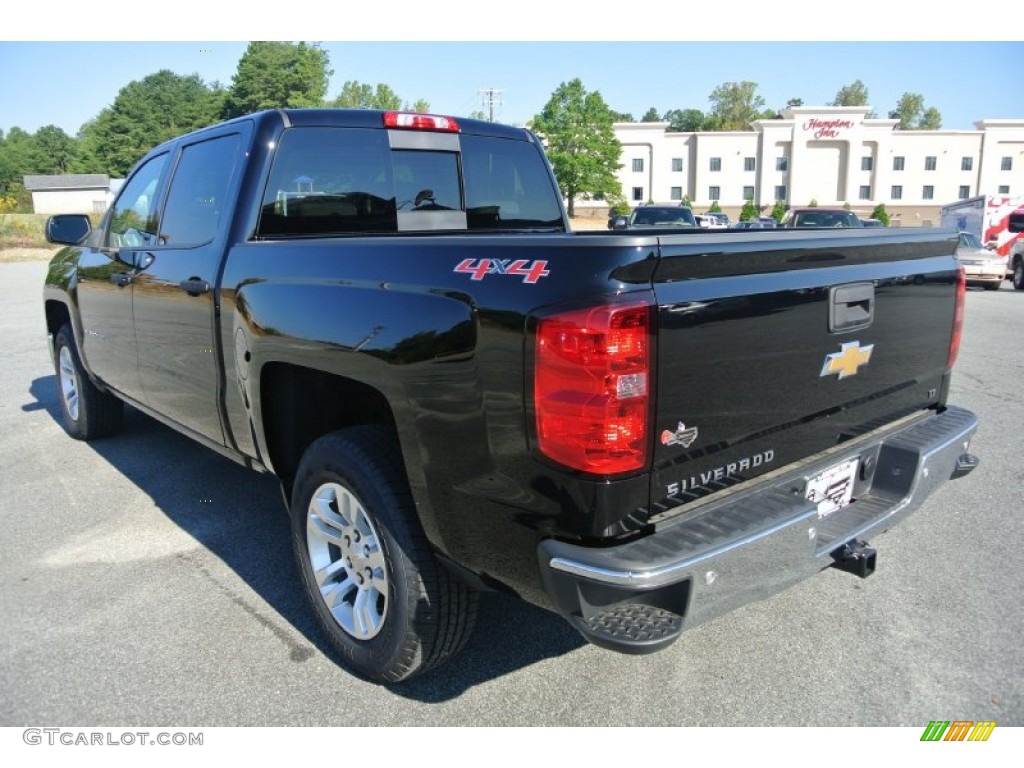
x=632 y=627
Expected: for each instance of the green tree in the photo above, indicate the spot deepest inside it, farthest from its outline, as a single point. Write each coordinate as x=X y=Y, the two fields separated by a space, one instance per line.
x=931 y=120
x=881 y=214
x=813 y=203
x=794 y=102
x=478 y=114
x=686 y=201
x=16 y=158
x=650 y=116
x=273 y=75
x=623 y=117
x=749 y=210
x=618 y=204
x=385 y=98
x=684 y=120
x=145 y=113
x=577 y=130
x=779 y=211
x=53 y=151
x=734 y=106
x=908 y=111
x=715 y=207
x=354 y=95
x=853 y=95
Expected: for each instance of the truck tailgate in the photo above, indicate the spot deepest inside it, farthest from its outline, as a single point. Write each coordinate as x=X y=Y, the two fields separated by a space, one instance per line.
x=779 y=345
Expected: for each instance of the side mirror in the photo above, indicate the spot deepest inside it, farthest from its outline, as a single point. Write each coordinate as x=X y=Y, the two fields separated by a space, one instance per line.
x=68 y=228
x=620 y=222
x=1016 y=223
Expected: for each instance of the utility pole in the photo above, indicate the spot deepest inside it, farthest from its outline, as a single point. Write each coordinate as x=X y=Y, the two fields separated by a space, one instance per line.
x=488 y=99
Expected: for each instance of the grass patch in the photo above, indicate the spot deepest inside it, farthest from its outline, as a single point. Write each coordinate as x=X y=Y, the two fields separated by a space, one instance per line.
x=22 y=230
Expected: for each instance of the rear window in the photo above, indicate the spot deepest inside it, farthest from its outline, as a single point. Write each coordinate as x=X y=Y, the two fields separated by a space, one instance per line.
x=339 y=181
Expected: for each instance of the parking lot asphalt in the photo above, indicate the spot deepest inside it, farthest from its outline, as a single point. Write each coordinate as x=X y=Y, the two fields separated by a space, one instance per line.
x=145 y=579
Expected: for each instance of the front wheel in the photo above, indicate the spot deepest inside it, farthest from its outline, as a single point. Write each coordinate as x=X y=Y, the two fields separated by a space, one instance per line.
x=1018 y=274
x=88 y=411
x=379 y=594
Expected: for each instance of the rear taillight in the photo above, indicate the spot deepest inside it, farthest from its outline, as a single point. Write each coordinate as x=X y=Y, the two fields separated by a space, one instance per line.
x=592 y=387
x=420 y=122
x=958 y=317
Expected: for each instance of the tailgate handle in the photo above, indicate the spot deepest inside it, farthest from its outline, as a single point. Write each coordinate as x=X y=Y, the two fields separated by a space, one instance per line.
x=851 y=307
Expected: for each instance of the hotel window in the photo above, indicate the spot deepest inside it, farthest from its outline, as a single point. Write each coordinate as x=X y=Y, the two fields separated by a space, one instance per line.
x=897 y=163
x=1004 y=189
x=930 y=162
x=716 y=163
x=675 y=193
x=897 y=192
x=749 y=164
x=1006 y=164
x=638 y=165
x=780 y=192
x=966 y=163
x=865 y=192
x=965 y=192
x=638 y=194
x=714 y=193
x=677 y=164
x=781 y=163
x=928 y=193
x=866 y=163
x=748 y=193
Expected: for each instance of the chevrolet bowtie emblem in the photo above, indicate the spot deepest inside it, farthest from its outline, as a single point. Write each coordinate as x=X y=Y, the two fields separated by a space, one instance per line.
x=846 y=362
x=682 y=436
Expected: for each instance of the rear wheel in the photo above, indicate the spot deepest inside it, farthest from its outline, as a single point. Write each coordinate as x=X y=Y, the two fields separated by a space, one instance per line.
x=88 y=411
x=382 y=599
x=1018 y=274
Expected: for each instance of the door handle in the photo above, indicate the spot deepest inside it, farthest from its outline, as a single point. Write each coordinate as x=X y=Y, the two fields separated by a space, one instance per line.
x=194 y=286
x=120 y=279
x=851 y=307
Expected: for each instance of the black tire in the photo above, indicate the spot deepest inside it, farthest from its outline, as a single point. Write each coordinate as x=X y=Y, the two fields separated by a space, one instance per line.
x=992 y=286
x=425 y=614
x=1018 y=274
x=88 y=411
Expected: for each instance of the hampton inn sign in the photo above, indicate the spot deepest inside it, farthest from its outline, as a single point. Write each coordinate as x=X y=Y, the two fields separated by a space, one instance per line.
x=826 y=128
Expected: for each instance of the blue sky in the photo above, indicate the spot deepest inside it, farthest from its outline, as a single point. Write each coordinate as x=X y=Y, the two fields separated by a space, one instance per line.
x=68 y=82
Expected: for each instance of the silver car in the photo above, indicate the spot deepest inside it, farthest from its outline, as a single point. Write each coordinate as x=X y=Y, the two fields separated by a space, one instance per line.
x=981 y=266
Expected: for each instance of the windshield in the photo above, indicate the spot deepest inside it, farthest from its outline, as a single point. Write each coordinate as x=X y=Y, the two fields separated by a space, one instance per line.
x=826 y=219
x=663 y=217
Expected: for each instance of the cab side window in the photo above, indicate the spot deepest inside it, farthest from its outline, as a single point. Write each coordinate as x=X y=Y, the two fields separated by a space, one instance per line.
x=196 y=200
x=133 y=217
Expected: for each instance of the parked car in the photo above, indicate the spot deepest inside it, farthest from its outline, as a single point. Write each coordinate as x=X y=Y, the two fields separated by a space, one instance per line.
x=872 y=222
x=719 y=220
x=763 y=222
x=982 y=266
x=657 y=216
x=821 y=217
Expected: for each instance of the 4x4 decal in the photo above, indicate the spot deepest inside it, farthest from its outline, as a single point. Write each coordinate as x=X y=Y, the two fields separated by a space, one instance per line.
x=530 y=271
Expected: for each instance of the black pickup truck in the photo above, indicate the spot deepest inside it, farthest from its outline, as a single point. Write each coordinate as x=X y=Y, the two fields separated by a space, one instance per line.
x=390 y=313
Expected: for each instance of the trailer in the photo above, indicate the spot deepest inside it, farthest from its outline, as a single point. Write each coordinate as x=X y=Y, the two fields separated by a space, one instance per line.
x=986 y=217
